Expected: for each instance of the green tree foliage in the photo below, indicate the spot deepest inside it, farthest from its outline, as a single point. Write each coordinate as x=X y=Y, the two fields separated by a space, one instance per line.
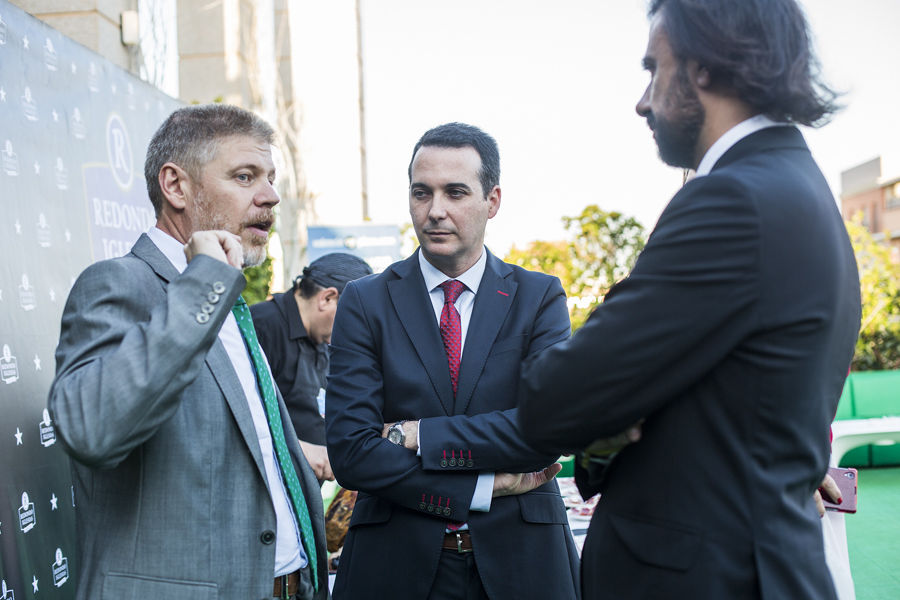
x=878 y=346
x=602 y=250
x=259 y=279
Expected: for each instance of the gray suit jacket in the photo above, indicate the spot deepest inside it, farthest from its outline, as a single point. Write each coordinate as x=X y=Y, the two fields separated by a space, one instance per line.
x=171 y=494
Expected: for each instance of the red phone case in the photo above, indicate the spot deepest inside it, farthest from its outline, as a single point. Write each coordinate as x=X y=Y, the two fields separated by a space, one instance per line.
x=846 y=482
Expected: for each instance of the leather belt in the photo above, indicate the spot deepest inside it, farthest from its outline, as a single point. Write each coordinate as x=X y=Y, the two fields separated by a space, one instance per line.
x=286 y=582
x=458 y=541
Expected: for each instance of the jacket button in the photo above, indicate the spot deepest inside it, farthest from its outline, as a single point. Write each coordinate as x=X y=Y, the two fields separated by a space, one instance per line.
x=201 y=317
x=218 y=287
x=267 y=537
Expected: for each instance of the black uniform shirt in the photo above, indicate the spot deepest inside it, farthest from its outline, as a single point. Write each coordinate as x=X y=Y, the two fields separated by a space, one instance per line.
x=298 y=364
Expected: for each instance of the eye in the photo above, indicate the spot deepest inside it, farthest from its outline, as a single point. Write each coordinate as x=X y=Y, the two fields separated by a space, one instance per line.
x=456 y=193
x=243 y=177
x=419 y=194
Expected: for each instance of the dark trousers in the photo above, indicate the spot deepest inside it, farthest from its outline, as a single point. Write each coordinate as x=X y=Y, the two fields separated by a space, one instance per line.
x=457 y=578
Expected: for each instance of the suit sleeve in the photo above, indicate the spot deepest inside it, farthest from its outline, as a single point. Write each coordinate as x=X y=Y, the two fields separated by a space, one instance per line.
x=360 y=458
x=494 y=439
x=122 y=364
x=689 y=300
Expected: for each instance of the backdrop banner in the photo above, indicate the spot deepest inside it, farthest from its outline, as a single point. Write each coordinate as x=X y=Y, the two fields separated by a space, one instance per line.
x=73 y=132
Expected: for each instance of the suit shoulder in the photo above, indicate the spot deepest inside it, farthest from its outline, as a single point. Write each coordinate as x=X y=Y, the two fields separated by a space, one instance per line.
x=535 y=278
x=122 y=270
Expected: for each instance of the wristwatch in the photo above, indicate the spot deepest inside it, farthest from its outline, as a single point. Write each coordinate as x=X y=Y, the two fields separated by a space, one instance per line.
x=395 y=433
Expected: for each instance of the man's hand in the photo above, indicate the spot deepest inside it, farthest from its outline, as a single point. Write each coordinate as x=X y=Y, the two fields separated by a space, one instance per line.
x=830 y=488
x=606 y=447
x=317 y=457
x=410 y=431
x=221 y=245
x=511 y=484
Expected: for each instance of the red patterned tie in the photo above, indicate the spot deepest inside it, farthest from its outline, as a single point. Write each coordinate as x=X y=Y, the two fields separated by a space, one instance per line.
x=451 y=331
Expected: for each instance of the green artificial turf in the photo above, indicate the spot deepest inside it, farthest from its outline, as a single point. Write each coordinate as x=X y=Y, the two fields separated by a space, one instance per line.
x=873 y=535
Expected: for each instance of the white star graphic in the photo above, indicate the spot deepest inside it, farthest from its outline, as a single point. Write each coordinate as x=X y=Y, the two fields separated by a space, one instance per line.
x=68 y=235
x=52 y=295
x=55 y=115
x=2 y=95
x=53 y=501
x=113 y=88
x=37 y=362
x=25 y=42
x=37 y=168
x=18 y=227
x=1 y=294
x=18 y=437
x=34 y=583
x=74 y=69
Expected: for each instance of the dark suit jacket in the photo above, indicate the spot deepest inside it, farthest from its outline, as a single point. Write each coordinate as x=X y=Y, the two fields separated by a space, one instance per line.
x=170 y=488
x=732 y=337
x=387 y=364
x=298 y=364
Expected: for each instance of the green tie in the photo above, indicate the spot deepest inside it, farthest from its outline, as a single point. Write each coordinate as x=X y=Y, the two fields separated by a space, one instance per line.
x=267 y=390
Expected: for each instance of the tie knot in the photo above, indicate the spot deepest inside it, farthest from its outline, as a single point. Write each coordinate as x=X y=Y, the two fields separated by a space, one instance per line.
x=452 y=289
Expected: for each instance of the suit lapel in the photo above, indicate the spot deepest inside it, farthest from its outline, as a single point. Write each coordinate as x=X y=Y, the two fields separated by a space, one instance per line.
x=492 y=303
x=414 y=311
x=223 y=371
x=217 y=359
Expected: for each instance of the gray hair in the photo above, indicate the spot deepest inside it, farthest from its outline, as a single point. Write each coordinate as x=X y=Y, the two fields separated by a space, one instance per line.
x=190 y=136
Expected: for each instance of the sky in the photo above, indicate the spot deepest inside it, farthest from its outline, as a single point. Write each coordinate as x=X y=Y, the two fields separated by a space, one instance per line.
x=556 y=85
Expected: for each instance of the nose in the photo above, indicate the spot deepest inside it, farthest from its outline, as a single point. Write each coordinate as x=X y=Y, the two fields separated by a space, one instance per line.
x=643 y=105
x=268 y=195
x=438 y=208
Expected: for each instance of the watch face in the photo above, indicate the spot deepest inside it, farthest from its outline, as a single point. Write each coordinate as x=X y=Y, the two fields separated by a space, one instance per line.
x=395 y=435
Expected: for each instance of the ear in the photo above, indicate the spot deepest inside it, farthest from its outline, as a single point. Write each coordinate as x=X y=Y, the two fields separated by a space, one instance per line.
x=175 y=185
x=703 y=78
x=494 y=199
x=327 y=296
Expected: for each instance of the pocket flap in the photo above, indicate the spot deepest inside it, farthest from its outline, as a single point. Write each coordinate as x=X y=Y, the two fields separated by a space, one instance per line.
x=665 y=546
x=127 y=585
x=542 y=508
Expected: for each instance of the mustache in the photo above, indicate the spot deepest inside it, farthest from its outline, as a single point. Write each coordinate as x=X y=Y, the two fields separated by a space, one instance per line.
x=263 y=220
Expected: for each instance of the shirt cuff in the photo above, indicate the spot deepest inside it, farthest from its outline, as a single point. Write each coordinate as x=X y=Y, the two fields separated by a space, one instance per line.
x=484 y=490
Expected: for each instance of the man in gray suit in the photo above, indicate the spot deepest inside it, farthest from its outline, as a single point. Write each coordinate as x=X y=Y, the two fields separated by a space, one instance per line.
x=189 y=480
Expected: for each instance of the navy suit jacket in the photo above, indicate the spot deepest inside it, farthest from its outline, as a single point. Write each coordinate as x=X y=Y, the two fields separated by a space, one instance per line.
x=731 y=337
x=388 y=364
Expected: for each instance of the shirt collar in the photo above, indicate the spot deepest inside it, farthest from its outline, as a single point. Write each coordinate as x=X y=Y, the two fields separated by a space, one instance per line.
x=170 y=247
x=732 y=137
x=434 y=277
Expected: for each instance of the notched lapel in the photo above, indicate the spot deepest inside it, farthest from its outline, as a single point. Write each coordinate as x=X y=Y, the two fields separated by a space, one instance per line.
x=492 y=303
x=224 y=374
x=413 y=306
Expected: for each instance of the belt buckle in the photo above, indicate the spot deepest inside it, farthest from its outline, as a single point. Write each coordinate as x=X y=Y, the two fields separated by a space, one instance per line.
x=459 y=547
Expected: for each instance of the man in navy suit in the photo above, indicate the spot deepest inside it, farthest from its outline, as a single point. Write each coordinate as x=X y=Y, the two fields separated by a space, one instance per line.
x=729 y=341
x=420 y=408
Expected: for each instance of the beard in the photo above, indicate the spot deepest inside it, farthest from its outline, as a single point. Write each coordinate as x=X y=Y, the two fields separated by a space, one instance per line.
x=205 y=217
x=676 y=138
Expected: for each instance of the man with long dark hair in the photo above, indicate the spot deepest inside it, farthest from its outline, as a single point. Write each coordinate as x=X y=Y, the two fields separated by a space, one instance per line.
x=729 y=341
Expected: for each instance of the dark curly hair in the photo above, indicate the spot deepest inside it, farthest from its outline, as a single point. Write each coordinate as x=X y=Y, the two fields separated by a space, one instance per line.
x=761 y=50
